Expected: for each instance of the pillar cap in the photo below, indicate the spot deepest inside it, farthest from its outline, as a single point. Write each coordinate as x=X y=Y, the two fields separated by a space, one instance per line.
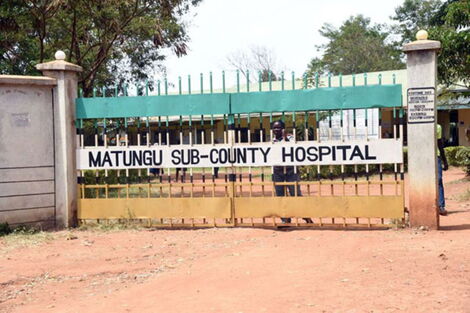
x=59 y=64
x=422 y=43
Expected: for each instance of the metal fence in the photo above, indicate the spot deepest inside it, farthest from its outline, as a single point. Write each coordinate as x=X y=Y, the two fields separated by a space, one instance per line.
x=197 y=160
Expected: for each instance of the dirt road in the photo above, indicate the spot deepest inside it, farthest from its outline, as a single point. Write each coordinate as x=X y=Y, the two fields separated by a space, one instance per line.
x=244 y=270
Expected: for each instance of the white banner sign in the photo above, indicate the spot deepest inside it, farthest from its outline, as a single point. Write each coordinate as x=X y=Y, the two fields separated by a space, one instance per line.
x=379 y=151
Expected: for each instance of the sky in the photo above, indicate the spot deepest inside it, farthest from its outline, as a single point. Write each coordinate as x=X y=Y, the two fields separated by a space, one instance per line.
x=218 y=28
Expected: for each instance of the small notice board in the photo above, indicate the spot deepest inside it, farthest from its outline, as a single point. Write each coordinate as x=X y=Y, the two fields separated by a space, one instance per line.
x=421 y=106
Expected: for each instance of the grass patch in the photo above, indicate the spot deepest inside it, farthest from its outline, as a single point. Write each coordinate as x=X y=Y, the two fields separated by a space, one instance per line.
x=465 y=196
x=111 y=225
x=460 y=181
x=24 y=237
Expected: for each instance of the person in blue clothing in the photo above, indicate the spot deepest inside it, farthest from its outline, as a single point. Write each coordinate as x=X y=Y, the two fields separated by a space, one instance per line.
x=285 y=173
x=441 y=166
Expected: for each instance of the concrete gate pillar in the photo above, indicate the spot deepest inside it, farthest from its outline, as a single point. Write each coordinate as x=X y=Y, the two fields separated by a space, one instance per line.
x=422 y=160
x=64 y=136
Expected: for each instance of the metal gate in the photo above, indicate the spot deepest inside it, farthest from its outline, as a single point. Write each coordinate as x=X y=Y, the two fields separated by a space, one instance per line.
x=207 y=159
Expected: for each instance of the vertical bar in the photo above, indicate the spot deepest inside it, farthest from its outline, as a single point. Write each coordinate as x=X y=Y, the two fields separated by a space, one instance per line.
x=223 y=81
x=340 y=80
x=317 y=126
x=210 y=82
x=247 y=80
x=329 y=80
x=380 y=79
x=282 y=80
x=126 y=126
x=341 y=125
x=249 y=128
x=103 y=92
x=305 y=80
x=146 y=87
x=354 y=80
x=158 y=88
x=293 y=80
x=179 y=85
x=317 y=80
x=94 y=92
x=354 y=124
x=189 y=84
x=260 y=81
x=294 y=130
x=306 y=126
x=270 y=81
x=166 y=86
x=202 y=83
x=105 y=134
x=212 y=130
x=238 y=80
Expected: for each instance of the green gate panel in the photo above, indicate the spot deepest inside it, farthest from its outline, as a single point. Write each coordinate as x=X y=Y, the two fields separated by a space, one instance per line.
x=338 y=98
x=358 y=97
x=171 y=105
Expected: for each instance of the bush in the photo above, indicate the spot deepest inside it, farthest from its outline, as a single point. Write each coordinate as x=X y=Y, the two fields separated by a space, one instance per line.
x=463 y=156
x=4 y=229
x=459 y=156
x=451 y=155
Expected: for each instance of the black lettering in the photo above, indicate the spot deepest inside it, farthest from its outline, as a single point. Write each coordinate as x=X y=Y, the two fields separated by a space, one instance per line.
x=252 y=150
x=265 y=154
x=213 y=155
x=312 y=154
x=286 y=155
x=300 y=154
x=116 y=157
x=194 y=156
x=147 y=157
x=324 y=151
x=160 y=159
x=356 y=153
x=344 y=148
x=107 y=159
x=369 y=157
x=94 y=162
x=126 y=158
x=232 y=158
x=176 y=157
x=223 y=156
x=241 y=155
x=137 y=158
x=185 y=157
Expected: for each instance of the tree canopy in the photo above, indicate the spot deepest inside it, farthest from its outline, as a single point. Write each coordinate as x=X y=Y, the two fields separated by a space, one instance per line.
x=112 y=40
x=357 y=46
x=448 y=22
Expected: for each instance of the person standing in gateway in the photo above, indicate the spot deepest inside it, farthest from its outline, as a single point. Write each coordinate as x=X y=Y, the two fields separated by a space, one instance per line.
x=285 y=173
x=441 y=166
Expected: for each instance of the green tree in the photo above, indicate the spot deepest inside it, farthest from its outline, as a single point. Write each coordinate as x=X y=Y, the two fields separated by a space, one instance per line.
x=113 y=40
x=447 y=22
x=414 y=15
x=451 y=26
x=356 y=47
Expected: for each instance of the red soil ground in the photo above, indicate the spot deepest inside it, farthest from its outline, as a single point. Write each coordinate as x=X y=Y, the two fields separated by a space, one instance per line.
x=244 y=269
